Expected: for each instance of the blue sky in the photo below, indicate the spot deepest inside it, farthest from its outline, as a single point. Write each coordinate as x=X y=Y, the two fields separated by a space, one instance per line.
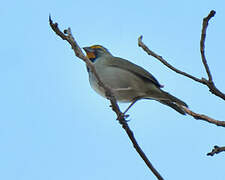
x=54 y=126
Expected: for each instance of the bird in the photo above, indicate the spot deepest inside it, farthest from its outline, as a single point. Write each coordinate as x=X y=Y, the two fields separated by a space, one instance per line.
x=127 y=81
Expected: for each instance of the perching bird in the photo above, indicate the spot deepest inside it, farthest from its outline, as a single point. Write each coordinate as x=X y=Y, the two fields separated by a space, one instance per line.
x=127 y=81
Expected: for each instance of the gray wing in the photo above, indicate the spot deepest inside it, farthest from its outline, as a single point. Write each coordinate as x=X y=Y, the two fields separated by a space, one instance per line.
x=137 y=70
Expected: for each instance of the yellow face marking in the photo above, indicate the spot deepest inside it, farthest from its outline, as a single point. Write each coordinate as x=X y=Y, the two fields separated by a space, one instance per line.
x=96 y=47
x=90 y=55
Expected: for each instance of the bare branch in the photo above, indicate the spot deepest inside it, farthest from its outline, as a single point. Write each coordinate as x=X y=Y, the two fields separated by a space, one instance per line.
x=202 y=42
x=203 y=117
x=160 y=58
x=216 y=150
x=209 y=82
x=203 y=81
x=67 y=35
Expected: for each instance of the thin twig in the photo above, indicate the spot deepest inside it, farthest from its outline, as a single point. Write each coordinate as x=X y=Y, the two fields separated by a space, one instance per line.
x=202 y=42
x=216 y=150
x=67 y=35
x=203 y=117
x=162 y=60
x=208 y=82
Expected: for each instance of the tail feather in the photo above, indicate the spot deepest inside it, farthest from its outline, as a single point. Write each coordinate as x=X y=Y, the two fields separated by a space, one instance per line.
x=172 y=101
x=173 y=98
x=173 y=105
x=168 y=99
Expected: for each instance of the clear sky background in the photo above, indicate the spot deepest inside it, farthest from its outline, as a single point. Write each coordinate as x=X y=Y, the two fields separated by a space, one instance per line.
x=53 y=126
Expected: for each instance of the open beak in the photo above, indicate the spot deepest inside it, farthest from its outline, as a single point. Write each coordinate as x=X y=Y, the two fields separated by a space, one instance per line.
x=90 y=52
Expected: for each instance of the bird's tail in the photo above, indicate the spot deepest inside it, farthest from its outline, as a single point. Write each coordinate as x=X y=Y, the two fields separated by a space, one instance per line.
x=173 y=102
x=170 y=100
x=173 y=105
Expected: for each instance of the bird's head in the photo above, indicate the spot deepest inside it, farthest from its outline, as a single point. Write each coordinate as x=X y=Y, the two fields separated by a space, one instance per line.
x=95 y=51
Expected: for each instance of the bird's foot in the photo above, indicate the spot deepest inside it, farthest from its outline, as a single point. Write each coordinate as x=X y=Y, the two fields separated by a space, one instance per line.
x=122 y=118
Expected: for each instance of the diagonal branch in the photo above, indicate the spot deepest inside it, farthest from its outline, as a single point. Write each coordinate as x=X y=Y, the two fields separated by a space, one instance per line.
x=203 y=117
x=162 y=60
x=67 y=35
x=216 y=150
